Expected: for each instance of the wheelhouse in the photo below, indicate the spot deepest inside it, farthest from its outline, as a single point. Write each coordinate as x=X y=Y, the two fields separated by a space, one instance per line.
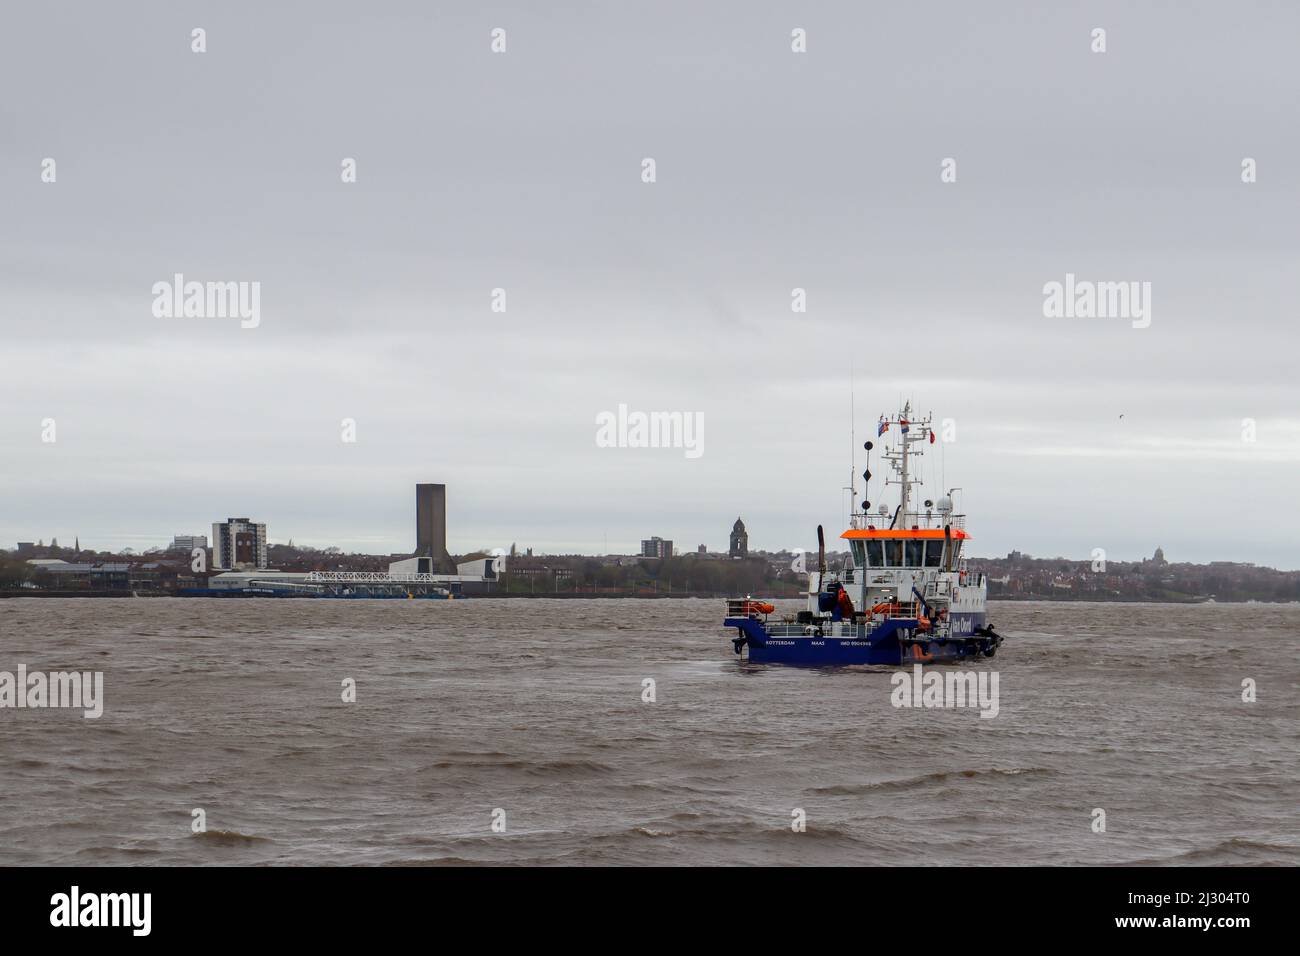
x=913 y=548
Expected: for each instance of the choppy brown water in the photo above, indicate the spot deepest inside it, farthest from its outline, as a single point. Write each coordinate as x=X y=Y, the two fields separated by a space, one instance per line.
x=534 y=706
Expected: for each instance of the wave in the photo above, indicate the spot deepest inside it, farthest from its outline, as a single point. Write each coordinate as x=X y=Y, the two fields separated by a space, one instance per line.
x=850 y=790
x=439 y=861
x=229 y=838
x=1237 y=850
x=750 y=833
x=111 y=852
x=537 y=768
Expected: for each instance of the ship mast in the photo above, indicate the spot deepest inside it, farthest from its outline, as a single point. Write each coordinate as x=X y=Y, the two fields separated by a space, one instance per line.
x=900 y=458
x=905 y=438
x=853 y=447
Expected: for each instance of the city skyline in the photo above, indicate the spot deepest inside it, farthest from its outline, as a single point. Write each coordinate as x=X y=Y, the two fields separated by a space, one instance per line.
x=833 y=546
x=500 y=277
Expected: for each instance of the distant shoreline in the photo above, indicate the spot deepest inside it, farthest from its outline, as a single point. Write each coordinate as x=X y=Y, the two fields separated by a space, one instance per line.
x=1074 y=599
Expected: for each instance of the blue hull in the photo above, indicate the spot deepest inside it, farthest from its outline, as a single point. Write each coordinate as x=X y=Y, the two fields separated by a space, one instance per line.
x=892 y=643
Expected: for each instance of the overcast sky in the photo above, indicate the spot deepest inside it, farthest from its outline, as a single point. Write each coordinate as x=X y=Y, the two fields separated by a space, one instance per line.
x=775 y=170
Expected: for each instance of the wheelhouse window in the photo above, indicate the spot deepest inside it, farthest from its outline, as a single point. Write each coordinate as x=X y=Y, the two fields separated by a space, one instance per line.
x=915 y=552
x=875 y=554
x=859 y=557
x=933 y=553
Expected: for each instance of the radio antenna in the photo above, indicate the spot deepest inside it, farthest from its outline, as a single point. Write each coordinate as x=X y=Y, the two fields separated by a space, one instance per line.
x=853 y=440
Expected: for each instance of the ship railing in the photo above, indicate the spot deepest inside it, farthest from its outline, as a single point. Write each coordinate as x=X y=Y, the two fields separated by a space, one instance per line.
x=746 y=607
x=920 y=520
x=908 y=610
x=286 y=586
x=373 y=577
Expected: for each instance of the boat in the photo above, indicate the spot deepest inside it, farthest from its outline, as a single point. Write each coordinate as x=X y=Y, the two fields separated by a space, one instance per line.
x=904 y=593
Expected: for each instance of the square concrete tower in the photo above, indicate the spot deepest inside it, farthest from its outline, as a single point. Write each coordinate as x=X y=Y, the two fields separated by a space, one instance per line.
x=431 y=523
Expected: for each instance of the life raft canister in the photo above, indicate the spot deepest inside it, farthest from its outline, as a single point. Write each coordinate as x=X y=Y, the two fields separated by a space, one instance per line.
x=845 y=604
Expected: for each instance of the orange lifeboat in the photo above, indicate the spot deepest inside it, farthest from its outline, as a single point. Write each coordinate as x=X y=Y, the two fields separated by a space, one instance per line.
x=892 y=608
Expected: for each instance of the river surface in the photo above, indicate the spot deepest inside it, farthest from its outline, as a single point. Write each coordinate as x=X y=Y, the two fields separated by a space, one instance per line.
x=532 y=714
